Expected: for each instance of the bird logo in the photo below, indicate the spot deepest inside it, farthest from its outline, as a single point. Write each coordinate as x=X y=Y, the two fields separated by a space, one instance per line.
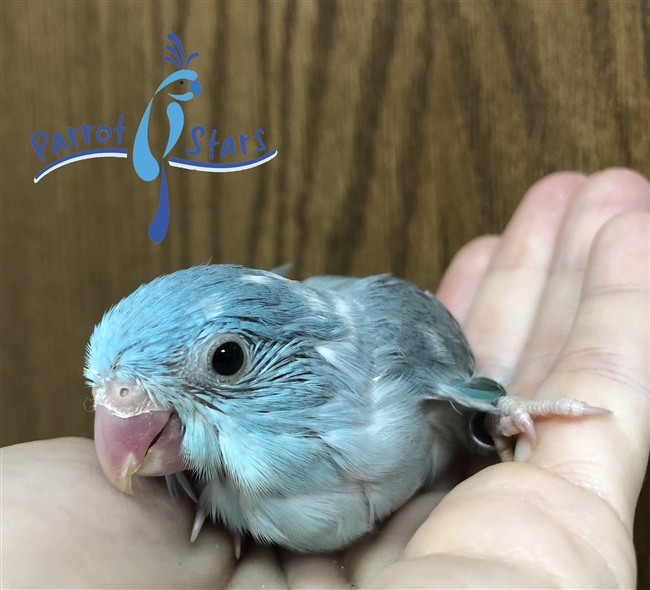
x=144 y=162
x=180 y=87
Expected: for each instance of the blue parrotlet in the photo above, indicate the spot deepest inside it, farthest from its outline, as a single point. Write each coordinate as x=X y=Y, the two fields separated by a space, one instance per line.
x=298 y=413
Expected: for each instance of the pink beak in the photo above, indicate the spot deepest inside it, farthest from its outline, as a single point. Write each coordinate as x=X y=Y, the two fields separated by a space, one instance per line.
x=133 y=435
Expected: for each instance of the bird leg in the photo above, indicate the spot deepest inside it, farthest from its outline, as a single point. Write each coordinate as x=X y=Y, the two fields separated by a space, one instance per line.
x=516 y=415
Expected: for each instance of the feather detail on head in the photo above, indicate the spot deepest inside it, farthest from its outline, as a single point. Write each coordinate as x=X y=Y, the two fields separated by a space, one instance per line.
x=177 y=53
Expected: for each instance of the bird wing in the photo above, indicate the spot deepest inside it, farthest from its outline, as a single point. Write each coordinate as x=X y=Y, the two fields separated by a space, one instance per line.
x=428 y=341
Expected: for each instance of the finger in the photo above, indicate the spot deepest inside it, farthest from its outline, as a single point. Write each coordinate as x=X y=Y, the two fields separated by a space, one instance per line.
x=603 y=196
x=65 y=526
x=604 y=362
x=454 y=571
x=259 y=568
x=501 y=315
x=322 y=570
x=374 y=553
x=465 y=273
x=530 y=522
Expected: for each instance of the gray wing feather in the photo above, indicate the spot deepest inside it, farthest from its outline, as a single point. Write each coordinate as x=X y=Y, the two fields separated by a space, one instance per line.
x=429 y=344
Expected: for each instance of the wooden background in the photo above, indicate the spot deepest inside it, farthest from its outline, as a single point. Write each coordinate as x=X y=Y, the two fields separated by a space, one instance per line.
x=403 y=130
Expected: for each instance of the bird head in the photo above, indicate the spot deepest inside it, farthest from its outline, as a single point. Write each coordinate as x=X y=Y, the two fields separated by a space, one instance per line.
x=183 y=75
x=192 y=367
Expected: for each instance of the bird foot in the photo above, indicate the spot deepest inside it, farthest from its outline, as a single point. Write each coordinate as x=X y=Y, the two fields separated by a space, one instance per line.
x=516 y=415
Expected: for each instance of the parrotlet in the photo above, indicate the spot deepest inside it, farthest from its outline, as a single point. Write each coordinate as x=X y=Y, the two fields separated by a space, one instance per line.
x=297 y=413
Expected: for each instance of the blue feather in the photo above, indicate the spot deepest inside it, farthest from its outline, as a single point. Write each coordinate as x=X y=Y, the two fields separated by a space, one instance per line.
x=174 y=39
x=340 y=414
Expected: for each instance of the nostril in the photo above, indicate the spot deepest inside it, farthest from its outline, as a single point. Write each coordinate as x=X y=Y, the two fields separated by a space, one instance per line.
x=124 y=398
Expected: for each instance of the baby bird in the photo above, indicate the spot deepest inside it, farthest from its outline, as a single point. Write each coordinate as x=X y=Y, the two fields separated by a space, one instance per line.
x=299 y=413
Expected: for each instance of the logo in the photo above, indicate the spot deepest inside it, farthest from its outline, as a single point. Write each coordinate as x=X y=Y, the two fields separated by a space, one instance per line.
x=182 y=86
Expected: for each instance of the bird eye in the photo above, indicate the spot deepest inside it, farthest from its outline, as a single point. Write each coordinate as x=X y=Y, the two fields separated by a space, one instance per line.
x=182 y=82
x=227 y=358
x=220 y=359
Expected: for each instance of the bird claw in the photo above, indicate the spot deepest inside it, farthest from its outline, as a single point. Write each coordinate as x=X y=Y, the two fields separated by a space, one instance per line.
x=516 y=416
x=199 y=519
x=237 y=541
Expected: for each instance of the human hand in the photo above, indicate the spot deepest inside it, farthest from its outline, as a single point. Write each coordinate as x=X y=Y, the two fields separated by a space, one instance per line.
x=563 y=307
x=561 y=515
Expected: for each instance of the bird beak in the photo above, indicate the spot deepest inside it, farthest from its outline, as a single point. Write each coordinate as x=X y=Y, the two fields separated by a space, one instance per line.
x=195 y=87
x=133 y=434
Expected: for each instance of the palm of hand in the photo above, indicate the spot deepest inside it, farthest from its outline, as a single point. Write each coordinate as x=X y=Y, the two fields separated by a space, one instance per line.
x=565 y=306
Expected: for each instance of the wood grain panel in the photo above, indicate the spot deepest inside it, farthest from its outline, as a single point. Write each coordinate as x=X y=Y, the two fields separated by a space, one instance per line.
x=404 y=130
